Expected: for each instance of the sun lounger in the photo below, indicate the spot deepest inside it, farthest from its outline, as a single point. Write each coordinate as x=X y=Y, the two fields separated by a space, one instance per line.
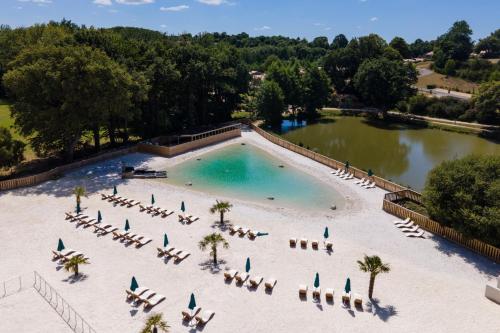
x=132 y=203
x=293 y=242
x=181 y=256
x=153 y=301
x=190 y=219
x=255 y=281
x=316 y=293
x=243 y=231
x=358 y=300
x=166 y=213
x=119 y=234
x=136 y=293
x=105 y=196
x=172 y=252
x=145 y=208
x=242 y=277
x=329 y=294
x=314 y=244
x=303 y=242
x=252 y=234
x=69 y=216
x=205 y=317
x=366 y=182
x=349 y=176
x=145 y=296
x=234 y=229
x=402 y=222
x=419 y=233
x=61 y=254
x=270 y=283
x=405 y=225
x=68 y=257
x=302 y=289
x=229 y=275
x=181 y=218
x=107 y=229
x=346 y=297
x=359 y=181
x=335 y=172
x=341 y=173
x=329 y=245
x=115 y=199
x=412 y=229
x=161 y=252
x=86 y=223
x=372 y=185
x=187 y=316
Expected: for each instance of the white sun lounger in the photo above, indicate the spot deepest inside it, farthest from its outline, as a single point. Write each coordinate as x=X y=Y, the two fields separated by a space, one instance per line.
x=359 y=181
x=120 y=234
x=335 y=172
x=346 y=297
x=166 y=213
x=153 y=301
x=366 y=182
x=234 y=229
x=104 y=196
x=416 y=234
x=341 y=173
x=402 y=222
x=316 y=293
x=255 y=281
x=144 y=296
x=349 y=176
x=61 y=254
x=190 y=219
x=173 y=253
x=329 y=294
x=372 y=185
x=205 y=317
x=181 y=256
x=187 y=316
x=242 y=277
x=405 y=225
x=358 y=300
x=270 y=283
x=136 y=293
x=302 y=289
x=412 y=229
x=107 y=229
x=243 y=231
x=145 y=208
x=229 y=275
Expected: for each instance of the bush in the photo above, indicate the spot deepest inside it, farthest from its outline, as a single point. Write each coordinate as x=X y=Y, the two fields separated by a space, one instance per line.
x=431 y=86
x=465 y=194
x=446 y=107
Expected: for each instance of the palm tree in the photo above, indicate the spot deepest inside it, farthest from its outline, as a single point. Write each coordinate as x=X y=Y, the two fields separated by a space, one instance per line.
x=221 y=207
x=154 y=323
x=374 y=266
x=72 y=264
x=79 y=192
x=213 y=241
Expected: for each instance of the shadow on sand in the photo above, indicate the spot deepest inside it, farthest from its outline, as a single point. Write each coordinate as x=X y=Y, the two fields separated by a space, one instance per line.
x=383 y=312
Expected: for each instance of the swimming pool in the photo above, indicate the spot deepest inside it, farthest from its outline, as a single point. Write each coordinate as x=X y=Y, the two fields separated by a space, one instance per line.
x=249 y=173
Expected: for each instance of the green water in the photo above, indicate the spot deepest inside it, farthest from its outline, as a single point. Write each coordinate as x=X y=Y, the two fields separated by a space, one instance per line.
x=398 y=152
x=247 y=172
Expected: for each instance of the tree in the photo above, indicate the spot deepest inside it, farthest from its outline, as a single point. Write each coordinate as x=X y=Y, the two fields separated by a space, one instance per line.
x=449 y=67
x=321 y=42
x=11 y=150
x=391 y=54
x=419 y=47
x=371 y=46
x=490 y=45
x=339 y=42
x=60 y=92
x=73 y=263
x=341 y=65
x=270 y=103
x=154 y=323
x=400 y=45
x=383 y=83
x=374 y=266
x=221 y=207
x=212 y=241
x=487 y=103
x=316 y=90
x=455 y=44
x=288 y=76
x=464 y=194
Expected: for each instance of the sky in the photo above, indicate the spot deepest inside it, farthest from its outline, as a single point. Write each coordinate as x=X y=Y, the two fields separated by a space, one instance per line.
x=409 y=19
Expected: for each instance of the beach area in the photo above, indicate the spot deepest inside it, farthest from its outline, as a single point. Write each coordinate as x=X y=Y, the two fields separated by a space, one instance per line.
x=433 y=285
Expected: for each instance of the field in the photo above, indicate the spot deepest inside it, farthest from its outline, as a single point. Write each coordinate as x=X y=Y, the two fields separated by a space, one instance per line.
x=441 y=81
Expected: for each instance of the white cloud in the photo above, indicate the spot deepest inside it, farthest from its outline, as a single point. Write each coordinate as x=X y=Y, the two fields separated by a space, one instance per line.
x=37 y=1
x=212 y=2
x=163 y=26
x=103 y=2
x=373 y=19
x=264 y=27
x=134 y=2
x=174 y=8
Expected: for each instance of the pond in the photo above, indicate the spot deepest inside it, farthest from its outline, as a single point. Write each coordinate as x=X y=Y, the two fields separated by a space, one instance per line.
x=398 y=152
x=247 y=172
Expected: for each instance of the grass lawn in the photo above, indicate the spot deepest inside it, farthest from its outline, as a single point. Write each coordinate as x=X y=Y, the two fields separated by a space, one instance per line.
x=441 y=81
x=7 y=121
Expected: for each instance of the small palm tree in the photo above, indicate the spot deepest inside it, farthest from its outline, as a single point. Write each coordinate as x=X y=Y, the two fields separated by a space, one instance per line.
x=72 y=264
x=79 y=192
x=374 y=266
x=213 y=241
x=221 y=207
x=154 y=323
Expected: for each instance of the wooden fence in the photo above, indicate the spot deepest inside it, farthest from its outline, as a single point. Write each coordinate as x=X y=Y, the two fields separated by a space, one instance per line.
x=330 y=162
x=391 y=206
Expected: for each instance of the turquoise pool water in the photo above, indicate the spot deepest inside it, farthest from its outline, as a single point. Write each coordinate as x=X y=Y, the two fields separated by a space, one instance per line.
x=247 y=172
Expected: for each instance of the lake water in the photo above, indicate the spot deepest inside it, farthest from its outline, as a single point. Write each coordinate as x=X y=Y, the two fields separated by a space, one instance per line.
x=398 y=152
x=247 y=172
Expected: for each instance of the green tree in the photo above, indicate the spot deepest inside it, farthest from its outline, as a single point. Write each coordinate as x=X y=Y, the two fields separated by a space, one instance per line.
x=270 y=103
x=341 y=65
x=60 y=92
x=374 y=266
x=339 y=42
x=316 y=90
x=383 y=83
x=487 y=103
x=11 y=150
x=155 y=323
x=400 y=45
x=321 y=42
x=371 y=46
x=465 y=194
x=490 y=45
x=212 y=241
x=221 y=207
x=449 y=67
x=72 y=265
x=455 y=44
x=391 y=54
x=79 y=192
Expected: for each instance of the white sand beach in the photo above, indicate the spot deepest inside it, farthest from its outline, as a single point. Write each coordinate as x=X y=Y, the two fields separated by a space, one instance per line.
x=433 y=286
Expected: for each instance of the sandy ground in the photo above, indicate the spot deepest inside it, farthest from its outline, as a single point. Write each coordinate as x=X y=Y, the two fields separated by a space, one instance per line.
x=434 y=286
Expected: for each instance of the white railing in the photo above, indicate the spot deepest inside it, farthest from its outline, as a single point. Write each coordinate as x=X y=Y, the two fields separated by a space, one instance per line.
x=49 y=294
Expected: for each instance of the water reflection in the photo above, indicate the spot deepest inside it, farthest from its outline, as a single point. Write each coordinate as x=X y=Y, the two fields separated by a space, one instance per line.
x=400 y=152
